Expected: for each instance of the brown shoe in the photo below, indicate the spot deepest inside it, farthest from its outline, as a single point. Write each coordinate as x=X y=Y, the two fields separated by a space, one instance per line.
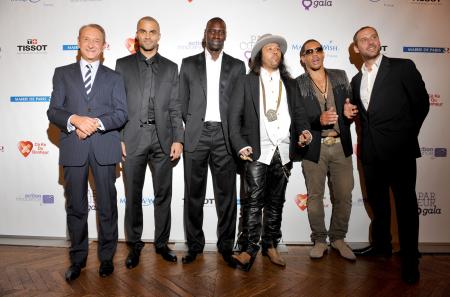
x=244 y=261
x=274 y=256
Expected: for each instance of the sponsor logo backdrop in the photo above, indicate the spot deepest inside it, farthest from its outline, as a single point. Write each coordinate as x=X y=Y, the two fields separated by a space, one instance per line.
x=39 y=35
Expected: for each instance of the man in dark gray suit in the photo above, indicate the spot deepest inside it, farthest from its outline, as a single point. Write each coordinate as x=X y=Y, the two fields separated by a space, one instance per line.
x=206 y=83
x=153 y=136
x=89 y=106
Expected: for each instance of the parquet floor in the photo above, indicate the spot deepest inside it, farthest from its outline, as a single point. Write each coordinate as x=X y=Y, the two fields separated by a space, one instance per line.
x=39 y=271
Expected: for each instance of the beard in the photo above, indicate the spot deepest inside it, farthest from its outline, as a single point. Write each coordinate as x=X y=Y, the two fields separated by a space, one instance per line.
x=214 y=45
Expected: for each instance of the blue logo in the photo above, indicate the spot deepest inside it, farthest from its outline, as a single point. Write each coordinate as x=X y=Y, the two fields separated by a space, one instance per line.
x=438 y=152
x=25 y=99
x=32 y=197
x=428 y=50
x=48 y=199
x=70 y=47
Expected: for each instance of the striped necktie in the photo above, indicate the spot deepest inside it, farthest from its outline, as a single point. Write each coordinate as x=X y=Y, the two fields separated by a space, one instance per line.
x=88 y=79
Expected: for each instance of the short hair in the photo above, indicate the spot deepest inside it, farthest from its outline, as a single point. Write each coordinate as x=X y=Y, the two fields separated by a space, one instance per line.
x=95 y=26
x=216 y=19
x=360 y=29
x=302 y=50
x=148 y=19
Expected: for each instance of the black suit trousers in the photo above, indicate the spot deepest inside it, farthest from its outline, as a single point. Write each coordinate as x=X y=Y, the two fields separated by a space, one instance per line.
x=149 y=153
x=211 y=150
x=76 y=186
x=400 y=177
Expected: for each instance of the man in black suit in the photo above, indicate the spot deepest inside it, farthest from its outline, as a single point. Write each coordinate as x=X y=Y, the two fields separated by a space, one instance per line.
x=392 y=101
x=206 y=82
x=267 y=119
x=152 y=137
x=324 y=92
x=89 y=106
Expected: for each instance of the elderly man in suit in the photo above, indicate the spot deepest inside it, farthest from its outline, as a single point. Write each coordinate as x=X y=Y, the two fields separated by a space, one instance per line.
x=89 y=106
x=324 y=92
x=267 y=119
x=152 y=137
x=206 y=82
x=392 y=101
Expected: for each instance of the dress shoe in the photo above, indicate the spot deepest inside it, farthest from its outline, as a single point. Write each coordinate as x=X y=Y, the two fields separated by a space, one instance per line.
x=106 y=268
x=244 y=261
x=73 y=272
x=318 y=250
x=274 y=256
x=133 y=257
x=189 y=257
x=372 y=251
x=410 y=271
x=228 y=257
x=343 y=249
x=166 y=253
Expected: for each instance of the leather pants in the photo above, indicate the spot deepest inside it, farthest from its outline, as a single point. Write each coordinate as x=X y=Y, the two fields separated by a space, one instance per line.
x=263 y=208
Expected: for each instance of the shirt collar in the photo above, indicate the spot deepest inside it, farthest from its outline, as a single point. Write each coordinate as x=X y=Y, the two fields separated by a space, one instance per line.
x=208 y=56
x=376 y=64
x=94 y=65
x=267 y=76
x=154 y=59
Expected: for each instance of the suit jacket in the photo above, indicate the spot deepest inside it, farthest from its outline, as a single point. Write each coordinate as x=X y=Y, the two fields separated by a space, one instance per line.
x=244 y=117
x=341 y=91
x=398 y=106
x=193 y=95
x=106 y=102
x=167 y=106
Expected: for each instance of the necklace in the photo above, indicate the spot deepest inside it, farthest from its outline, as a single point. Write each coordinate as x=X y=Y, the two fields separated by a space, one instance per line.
x=271 y=114
x=324 y=92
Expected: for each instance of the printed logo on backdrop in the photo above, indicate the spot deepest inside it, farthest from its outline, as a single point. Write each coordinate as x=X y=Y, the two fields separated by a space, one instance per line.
x=146 y=201
x=434 y=152
x=131 y=44
x=387 y=3
x=28 y=99
x=70 y=47
x=360 y=202
x=2 y=148
x=27 y=147
x=43 y=199
x=435 y=100
x=191 y=46
x=427 y=2
x=209 y=202
x=301 y=200
x=246 y=46
x=427 y=204
x=426 y=49
x=26 y=1
x=32 y=46
x=330 y=48
x=307 y=4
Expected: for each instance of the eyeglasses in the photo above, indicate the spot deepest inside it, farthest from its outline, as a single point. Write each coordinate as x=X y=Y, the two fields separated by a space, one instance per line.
x=318 y=49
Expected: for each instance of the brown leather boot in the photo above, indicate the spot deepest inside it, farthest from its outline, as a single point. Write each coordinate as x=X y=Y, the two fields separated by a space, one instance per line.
x=274 y=256
x=244 y=261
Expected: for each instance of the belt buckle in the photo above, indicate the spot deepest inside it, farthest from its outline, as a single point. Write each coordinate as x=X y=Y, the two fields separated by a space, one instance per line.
x=329 y=140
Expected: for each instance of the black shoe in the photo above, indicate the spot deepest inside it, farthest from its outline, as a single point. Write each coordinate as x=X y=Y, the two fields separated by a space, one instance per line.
x=410 y=274
x=133 y=257
x=189 y=257
x=372 y=251
x=106 y=268
x=167 y=254
x=228 y=257
x=73 y=272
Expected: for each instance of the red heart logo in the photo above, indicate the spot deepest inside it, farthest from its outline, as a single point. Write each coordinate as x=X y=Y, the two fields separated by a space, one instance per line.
x=301 y=200
x=130 y=44
x=25 y=147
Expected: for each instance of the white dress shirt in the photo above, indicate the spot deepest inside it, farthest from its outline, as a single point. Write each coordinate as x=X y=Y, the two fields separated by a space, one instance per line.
x=213 y=87
x=276 y=133
x=367 y=81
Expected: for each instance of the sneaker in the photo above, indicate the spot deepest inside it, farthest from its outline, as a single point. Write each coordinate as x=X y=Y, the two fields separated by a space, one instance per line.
x=343 y=249
x=318 y=250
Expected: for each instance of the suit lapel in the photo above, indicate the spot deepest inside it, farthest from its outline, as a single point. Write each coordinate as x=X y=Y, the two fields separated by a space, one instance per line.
x=357 y=91
x=201 y=70
x=381 y=74
x=79 y=81
x=224 y=75
x=137 y=75
x=254 y=85
x=98 y=81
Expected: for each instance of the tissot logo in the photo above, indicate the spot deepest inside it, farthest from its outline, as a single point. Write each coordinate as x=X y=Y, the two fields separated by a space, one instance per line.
x=32 y=46
x=307 y=4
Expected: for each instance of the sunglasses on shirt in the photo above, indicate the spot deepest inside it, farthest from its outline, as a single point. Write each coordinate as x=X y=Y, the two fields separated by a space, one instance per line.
x=318 y=49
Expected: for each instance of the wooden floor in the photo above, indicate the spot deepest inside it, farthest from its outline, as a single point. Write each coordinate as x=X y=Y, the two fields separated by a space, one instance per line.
x=39 y=271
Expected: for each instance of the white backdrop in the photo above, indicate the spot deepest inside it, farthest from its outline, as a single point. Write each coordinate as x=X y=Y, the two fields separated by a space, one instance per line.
x=39 y=35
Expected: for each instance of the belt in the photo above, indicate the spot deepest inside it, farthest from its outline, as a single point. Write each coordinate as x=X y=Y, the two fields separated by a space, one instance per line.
x=148 y=122
x=212 y=124
x=330 y=140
